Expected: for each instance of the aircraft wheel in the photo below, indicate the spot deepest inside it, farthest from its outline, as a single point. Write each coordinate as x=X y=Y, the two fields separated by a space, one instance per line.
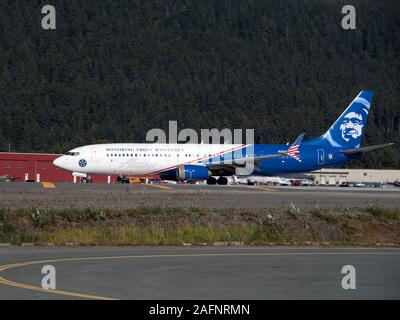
x=222 y=181
x=211 y=181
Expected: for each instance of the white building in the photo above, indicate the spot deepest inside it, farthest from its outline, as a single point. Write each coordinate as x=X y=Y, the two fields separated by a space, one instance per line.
x=337 y=176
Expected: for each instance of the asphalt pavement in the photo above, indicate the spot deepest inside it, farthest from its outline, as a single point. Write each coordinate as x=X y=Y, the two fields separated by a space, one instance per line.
x=123 y=196
x=199 y=272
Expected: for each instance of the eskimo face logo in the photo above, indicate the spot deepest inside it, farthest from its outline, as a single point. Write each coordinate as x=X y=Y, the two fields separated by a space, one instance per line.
x=351 y=127
x=82 y=163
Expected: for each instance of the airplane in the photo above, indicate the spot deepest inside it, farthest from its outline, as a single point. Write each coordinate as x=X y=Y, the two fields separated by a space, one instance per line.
x=195 y=162
x=262 y=180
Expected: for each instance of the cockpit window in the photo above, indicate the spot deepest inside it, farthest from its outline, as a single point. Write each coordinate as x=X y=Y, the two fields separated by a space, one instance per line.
x=72 y=154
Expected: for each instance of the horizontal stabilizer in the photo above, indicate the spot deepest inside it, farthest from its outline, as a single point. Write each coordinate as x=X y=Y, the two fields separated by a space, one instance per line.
x=298 y=140
x=365 y=149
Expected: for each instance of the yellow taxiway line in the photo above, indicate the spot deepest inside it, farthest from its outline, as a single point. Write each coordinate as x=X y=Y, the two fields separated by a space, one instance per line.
x=159 y=186
x=60 y=292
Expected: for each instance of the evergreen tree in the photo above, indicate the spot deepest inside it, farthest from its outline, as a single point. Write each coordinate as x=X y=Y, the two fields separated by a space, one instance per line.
x=112 y=70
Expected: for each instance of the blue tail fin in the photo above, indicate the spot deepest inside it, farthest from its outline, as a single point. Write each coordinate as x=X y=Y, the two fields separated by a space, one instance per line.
x=348 y=130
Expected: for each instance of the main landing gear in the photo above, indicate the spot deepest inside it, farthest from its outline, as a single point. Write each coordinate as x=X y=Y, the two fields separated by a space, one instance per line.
x=221 y=181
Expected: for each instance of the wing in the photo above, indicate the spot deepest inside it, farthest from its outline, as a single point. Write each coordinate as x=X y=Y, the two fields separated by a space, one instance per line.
x=241 y=161
x=366 y=149
x=231 y=164
x=225 y=166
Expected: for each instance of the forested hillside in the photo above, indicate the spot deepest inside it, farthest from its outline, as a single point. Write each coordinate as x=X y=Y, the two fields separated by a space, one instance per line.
x=112 y=70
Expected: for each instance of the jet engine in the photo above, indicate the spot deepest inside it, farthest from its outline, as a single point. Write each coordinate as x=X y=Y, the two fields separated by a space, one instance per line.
x=187 y=172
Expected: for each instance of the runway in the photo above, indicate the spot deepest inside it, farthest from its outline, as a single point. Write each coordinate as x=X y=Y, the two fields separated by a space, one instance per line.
x=123 y=196
x=199 y=273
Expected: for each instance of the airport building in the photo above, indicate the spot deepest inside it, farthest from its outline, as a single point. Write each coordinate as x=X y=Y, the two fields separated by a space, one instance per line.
x=339 y=176
x=38 y=167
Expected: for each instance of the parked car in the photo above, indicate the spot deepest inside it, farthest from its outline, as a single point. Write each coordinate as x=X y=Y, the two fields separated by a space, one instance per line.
x=296 y=182
x=8 y=178
x=122 y=179
x=307 y=182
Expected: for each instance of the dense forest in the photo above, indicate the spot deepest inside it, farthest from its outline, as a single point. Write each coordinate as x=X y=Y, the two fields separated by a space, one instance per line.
x=112 y=70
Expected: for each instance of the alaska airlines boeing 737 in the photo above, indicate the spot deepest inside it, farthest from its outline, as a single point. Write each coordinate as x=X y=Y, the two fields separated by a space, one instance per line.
x=339 y=144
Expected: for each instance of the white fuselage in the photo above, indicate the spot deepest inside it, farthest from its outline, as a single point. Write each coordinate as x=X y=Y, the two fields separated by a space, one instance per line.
x=141 y=158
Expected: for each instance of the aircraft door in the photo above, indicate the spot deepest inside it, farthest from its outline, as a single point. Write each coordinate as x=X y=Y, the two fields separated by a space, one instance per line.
x=321 y=156
x=94 y=154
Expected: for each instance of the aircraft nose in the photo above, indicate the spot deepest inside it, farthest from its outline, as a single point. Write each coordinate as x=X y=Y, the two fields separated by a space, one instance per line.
x=59 y=162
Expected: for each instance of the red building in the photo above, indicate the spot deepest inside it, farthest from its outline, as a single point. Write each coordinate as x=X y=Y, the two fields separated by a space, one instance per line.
x=39 y=167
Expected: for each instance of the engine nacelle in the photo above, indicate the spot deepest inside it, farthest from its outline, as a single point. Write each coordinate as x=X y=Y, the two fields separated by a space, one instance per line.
x=192 y=172
x=187 y=172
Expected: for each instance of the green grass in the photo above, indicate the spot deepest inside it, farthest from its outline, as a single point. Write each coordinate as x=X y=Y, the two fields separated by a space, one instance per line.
x=155 y=226
x=352 y=224
x=324 y=214
x=175 y=226
x=156 y=235
x=383 y=213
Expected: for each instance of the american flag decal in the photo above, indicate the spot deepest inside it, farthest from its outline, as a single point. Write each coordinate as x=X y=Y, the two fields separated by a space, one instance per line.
x=294 y=152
